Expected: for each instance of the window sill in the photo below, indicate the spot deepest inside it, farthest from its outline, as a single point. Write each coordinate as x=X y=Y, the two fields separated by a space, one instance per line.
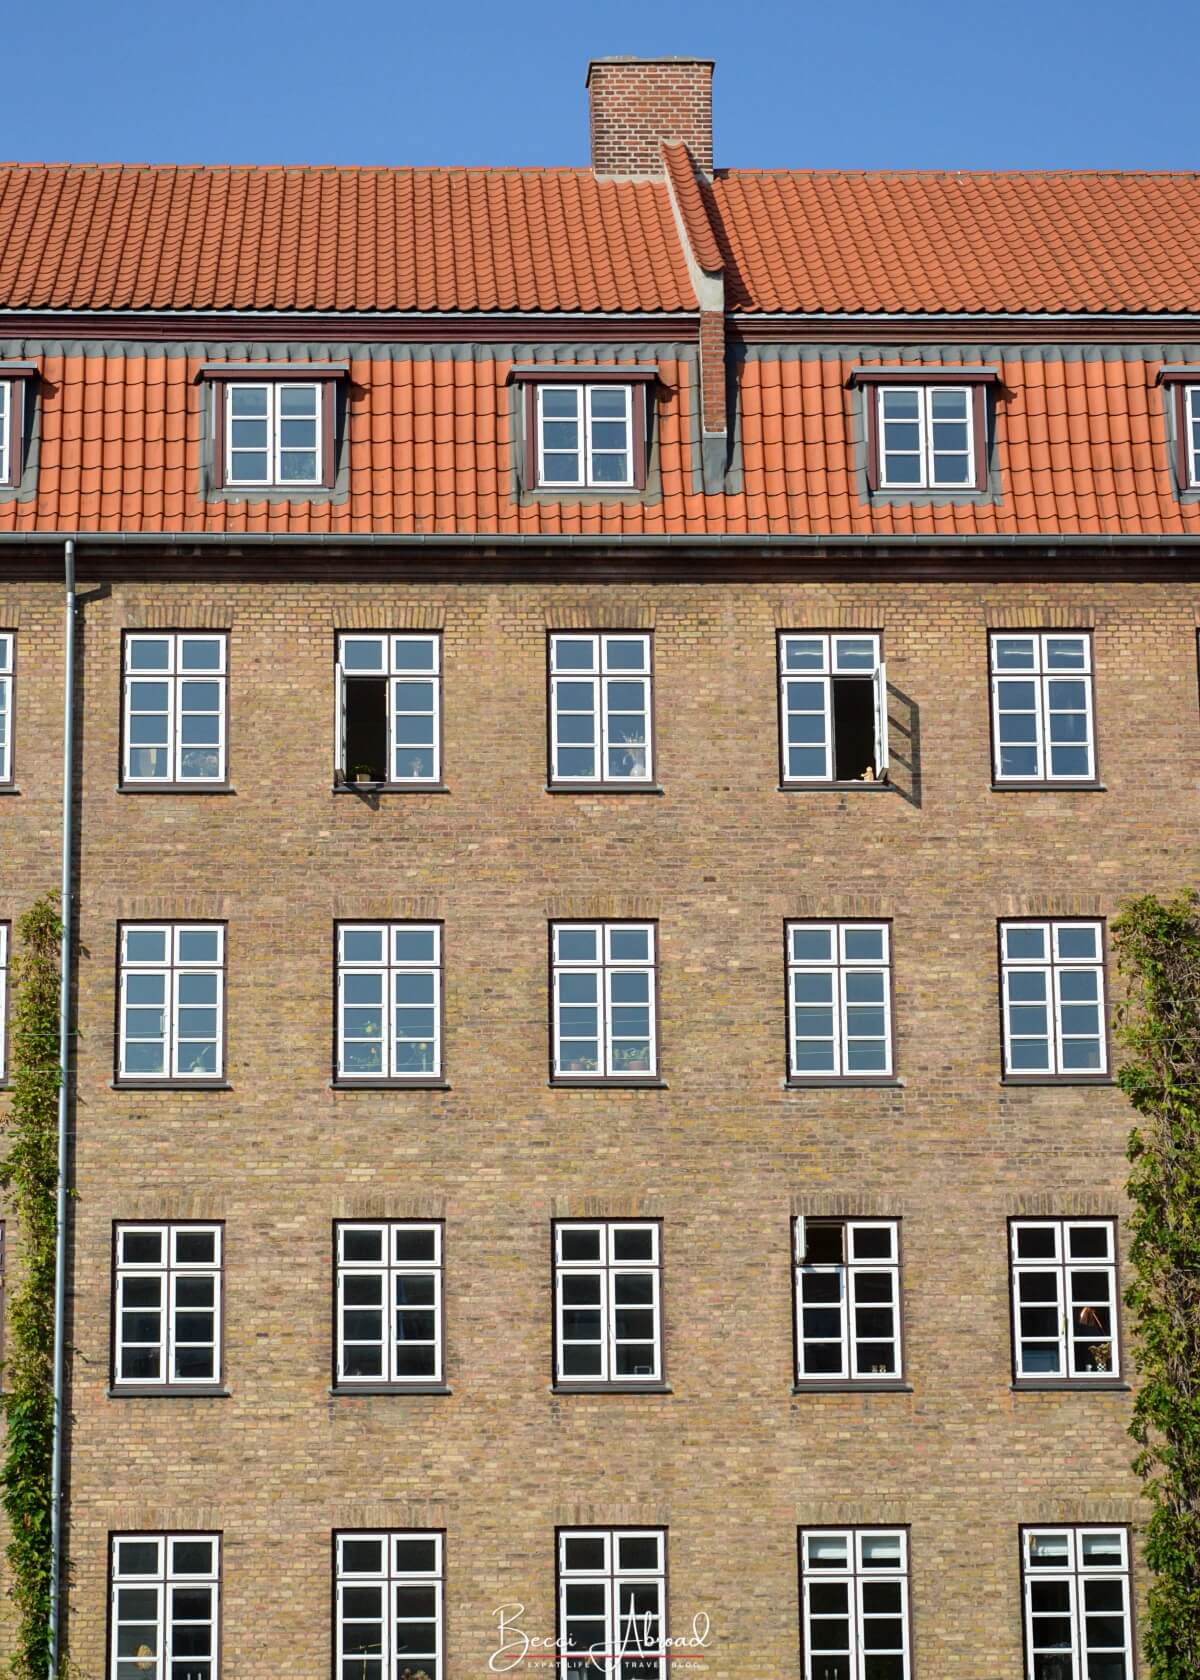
x=1057 y=1079
x=169 y=1085
x=389 y=1085
x=1049 y=787
x=8 y=789
x=166 y=1391
x=341 y=1390
x=1073 y=1385
x=585 y=1084
x=837 y=787
x=887 y=1082
x=389 y=787
x=612 y=1388
x=604 y=787
x=846 y=1387
x=175 y=787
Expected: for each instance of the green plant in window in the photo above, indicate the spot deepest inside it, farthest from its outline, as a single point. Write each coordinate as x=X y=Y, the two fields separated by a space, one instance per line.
x=1158 y=952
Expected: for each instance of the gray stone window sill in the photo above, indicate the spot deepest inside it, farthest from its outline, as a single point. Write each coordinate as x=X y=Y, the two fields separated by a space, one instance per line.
x=612 y=1388
x=604 y=787
x=389 y=1085
x=169 y=1085
x=1070 y=1385
x=836 y=787
x=882 y=1387
x=1049 y=787
x=585 y=1084
x=364 y=788
x=1057 y=1079
x=8 y=789
x=175 y=787
x=888 y=1083
x=340 y=1390
x=167 y=1391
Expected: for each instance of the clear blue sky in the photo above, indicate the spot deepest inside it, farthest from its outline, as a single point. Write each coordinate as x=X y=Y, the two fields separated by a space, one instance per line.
x=1009 y=84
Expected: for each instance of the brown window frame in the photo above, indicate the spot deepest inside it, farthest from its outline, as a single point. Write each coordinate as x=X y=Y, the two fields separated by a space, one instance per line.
x=18 y=376
x=1177 y=382
x=325 y=375
x=529 y=379
x=979 y=379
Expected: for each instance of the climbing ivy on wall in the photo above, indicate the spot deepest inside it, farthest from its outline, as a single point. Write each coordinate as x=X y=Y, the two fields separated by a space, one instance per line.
x=1158 y=952
x=29 y=1178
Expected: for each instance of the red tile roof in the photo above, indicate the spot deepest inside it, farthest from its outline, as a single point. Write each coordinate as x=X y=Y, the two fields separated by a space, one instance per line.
x=199 y=238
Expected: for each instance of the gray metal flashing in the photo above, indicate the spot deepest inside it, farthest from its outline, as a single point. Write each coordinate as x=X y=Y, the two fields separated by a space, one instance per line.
x=700 y=542
x=214 y=370
x=210 y=489
x=784 y=318
x=25 y=489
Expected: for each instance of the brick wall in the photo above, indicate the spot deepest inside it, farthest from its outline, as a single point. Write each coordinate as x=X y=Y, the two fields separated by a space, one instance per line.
x=636 y=104
x=731 y=1460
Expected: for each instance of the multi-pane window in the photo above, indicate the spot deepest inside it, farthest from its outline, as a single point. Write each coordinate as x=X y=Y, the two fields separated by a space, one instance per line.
x=585 y=435
x=388 y=1606
x=167 y=1312
x=174 y=708
x=165 y=1606
x=833 y=709
x=1042 y=708
x=608 y=1310
x=389 y=709
x=603 y=1000
x=389 y=1302
x=612 y=1603
x=172 y=985
x=1064 y=1298
x=847 y=1300
x=1191 y=442
x=926 y=437
x=1053 y=984
x=273 y=433
x=854 y=1597
x=6 y=419
x=389 y=1000
x=1077 y=1609
x=600 y=708
x=839 y=1000
x=7 y=645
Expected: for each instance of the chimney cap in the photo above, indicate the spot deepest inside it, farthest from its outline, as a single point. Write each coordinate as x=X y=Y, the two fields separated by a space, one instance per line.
x=634 y=58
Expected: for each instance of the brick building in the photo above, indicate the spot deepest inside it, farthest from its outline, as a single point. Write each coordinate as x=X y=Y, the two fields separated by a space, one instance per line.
x=614 y=709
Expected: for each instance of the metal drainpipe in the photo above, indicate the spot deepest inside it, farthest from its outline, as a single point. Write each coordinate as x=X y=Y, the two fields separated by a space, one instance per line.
x=64 y=1063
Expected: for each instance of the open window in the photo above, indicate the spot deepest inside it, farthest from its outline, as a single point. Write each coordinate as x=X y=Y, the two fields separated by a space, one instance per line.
x=833 y=709
x=389 y=710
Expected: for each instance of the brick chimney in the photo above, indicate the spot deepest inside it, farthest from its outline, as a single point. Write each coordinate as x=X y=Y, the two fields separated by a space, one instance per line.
x=637 y=103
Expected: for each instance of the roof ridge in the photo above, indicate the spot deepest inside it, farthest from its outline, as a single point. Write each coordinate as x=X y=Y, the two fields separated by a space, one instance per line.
x=906 y=173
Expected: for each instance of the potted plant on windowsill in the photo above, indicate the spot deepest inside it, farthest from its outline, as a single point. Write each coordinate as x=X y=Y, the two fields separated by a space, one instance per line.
x=363 y=775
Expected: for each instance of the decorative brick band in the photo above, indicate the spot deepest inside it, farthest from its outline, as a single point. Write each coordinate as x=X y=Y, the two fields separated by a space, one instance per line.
x=172 y=1204
x=389 y=907
x=1070 y=1204
x=601 y=615
x=383 y=1204
x=599 y=907
x=607 y=1207
x=391 y=1513
x=173 y=907
x=1053 y=904
x=1041 y=618
x=873 y=1513
x=823 y=907
x=823 y=614
x=10 y=615
x=171 y=616
x=384 y=615
x=608 y=1514
x=830 y=1204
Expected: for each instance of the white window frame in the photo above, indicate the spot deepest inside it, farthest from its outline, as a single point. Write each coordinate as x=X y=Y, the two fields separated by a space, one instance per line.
x=849 y=1271
x=1041 y=674
x=1191 y=441
x=601 y=678
x=3 y=1002
x=605 y=967
x=6 y=424
x=388 y=1270
x=8 y=650
x=586 y=480
x=174 y=676
x=840 y=966
x=169 y=1270
x=612 y=1576
x=1053 y=966
x=391 y=668
x=855 y=1576
x=274 y=418
x=606 y=1269
x=391 y=1579
x=391 y=969
x=924 y=422
x=172 y=967
x=830 y=669
x=1060 y=1266
x=165 y=1576
x=1075 y=1572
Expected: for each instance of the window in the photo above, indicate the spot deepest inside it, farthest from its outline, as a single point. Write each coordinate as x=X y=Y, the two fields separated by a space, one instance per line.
x=608 y=1314
x=1077 y=1617
x=600 y=709
x=167 y=1313
x=838 y=998
x=389 y=710
x=172 y=986
x=585 y=436
x=389 y=1000
x=1064 y=1299
x=1192 y=434
x=854 y=1597
x=389 y=1303
x=6 y=428
x=1053 y=984
x=174 y=709
x=273 y=433
x=3 y=1000
x=833 y=709
x=603 y=1000
x=165 y=1603
x=612 y=1602
x=1042 y=708
x=926 y=437
x=388 y=1606
x=847 y=1300
x=7 y=648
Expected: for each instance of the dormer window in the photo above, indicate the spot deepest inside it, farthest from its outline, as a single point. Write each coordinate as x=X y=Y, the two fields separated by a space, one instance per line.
x=585 y=428
x=926 y=428
x=274 y=425
x=16 y=380
x=1183 y=387
x=1191 y=439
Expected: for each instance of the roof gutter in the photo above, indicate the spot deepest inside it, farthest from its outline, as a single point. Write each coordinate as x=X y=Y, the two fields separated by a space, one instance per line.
x=678 y=543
